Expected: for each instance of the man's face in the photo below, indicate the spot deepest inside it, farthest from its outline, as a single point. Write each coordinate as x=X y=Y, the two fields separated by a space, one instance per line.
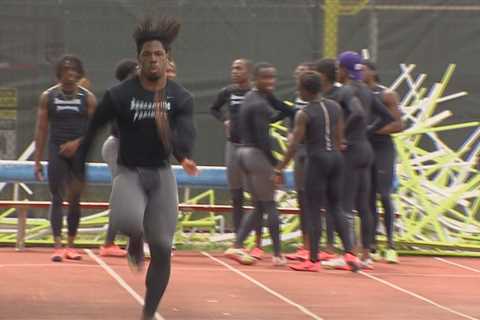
x=298 y=71
x=342 y=74
x=152 y=60
x=266 y=80
x=239 y=72
x=368 y=74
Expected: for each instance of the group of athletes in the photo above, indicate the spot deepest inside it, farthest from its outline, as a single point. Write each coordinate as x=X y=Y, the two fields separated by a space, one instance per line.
x=339 y=137
x=344 y=158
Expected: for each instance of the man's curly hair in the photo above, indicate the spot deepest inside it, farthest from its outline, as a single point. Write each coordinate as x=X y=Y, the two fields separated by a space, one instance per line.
x=164 y=30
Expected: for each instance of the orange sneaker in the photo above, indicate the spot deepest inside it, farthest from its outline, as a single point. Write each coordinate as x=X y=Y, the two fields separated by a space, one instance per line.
x=324 y=256
x=300 y=255
x=58 y=255
x=306 y=265
x=72 y=254
x=352 y=261
x=257 y=253
x=112 y=251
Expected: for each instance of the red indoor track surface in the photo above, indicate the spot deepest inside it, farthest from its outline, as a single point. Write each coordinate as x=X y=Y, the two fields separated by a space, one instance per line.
x=204 y=286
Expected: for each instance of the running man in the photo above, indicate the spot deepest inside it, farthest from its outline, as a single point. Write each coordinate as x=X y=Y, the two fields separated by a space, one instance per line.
x=383 y=168
x=125 y=68
x=155 y=119
x=257 y=162
x=233 y=96
x=63 y=114
x=320 y=126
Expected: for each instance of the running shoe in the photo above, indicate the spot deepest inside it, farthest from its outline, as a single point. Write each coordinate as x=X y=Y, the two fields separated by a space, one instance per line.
x=300 y=255
x=112 y=251
x=279 y=261
x=376 y=256
x=174 y=249
x=335 y=263
x=306 y=265
x=72 y=254
x=58 y=255
x=240 y=256
x=391 y=256
x=324 y=256
x=366 y=264
x=146 y=251
x=352 y=261
x=257 y=253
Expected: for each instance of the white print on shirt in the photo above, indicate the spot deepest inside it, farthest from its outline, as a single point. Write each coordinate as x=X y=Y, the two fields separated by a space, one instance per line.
x=73 y=101
x=71 y=108
x=236 y=100
x=146 y=109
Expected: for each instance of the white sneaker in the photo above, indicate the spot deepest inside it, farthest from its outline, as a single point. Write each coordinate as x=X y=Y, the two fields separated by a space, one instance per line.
x=279 y=261
x=334 y=263
x=240 y=256
x=146 y=250
x=366 y=264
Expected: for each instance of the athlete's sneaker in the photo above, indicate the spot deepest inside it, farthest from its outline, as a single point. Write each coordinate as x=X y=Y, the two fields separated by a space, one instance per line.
x=306 y=265
x=146 y=251
x=324 y=256
x=279 y=261
x=376 y=256
x=366 y=264
x=112 y=251
x=335 y=263
x=257 y=253
x=391 y=256
x=72 y=254
x=300 y=255
x=240 y=256
x=58 y=255
x=135 y=255
x=352 y=261
x=174 y=249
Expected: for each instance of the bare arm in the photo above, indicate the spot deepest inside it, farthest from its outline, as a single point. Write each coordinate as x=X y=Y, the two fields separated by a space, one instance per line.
x=295 y=138
x=91 y=104
x=390 y=98
x=41 y=132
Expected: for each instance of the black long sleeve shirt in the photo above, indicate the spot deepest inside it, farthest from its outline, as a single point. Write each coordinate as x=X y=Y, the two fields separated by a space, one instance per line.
x=360 y=106
x=233 y=97
x=254 y=118
x=132 y=107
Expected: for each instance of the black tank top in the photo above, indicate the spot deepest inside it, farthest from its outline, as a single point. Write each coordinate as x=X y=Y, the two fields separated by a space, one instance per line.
x=67 y=116
x=321 y=126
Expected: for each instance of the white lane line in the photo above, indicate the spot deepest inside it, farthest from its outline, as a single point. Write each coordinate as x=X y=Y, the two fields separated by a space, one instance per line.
x=413 y=294
x=457 y=265
x=120 y=280
x=264 y=287
x=52 y=264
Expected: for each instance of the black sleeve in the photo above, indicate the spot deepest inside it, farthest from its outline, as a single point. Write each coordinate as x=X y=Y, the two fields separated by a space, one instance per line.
x=354 y=110
x=381 y=115
x=104 y=113
x=216 y=107
x=184 y=131
x=283 y=109
x=262 y=132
